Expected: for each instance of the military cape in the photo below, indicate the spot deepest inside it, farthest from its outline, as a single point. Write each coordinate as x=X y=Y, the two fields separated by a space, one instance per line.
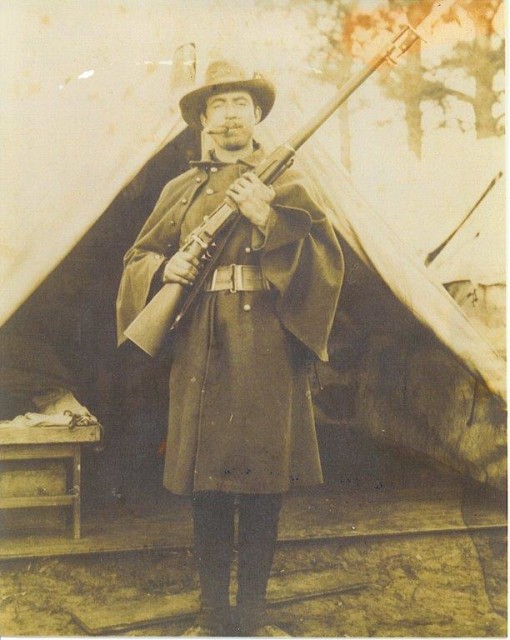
x=241 y=415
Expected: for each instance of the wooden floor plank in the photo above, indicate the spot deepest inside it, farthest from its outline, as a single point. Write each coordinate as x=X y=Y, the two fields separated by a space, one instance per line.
x=322 y=515
x=97 y=620
x=131 y=615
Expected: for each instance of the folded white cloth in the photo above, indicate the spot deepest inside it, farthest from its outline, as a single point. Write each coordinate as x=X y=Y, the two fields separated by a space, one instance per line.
x=58 y=407
x=59 y=401
x=67 y=418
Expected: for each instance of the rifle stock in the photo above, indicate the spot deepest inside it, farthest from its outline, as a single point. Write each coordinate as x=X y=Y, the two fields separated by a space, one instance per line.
x=163 y=312
x=150 y=327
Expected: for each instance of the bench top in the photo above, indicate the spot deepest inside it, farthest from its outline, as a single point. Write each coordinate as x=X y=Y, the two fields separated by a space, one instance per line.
x=48 y=434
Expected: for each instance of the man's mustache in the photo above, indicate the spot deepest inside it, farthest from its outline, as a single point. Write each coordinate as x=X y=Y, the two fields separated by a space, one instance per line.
x=222 y=130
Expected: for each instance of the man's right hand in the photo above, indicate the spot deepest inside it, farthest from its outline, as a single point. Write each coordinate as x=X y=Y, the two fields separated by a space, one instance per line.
x=181 y=268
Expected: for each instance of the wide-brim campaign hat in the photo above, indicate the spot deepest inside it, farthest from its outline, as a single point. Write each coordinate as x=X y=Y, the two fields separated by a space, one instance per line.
x=222 y=76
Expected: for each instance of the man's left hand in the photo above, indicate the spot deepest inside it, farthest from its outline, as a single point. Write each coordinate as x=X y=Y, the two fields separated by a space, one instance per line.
x=253 y=198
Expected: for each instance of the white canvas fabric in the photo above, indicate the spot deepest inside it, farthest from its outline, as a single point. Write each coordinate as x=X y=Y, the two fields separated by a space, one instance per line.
x=85 y=102
x=376 y=243
x=477 y=251
x=81 y=115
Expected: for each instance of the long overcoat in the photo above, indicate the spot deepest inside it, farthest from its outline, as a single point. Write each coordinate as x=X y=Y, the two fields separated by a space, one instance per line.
x=240 y=415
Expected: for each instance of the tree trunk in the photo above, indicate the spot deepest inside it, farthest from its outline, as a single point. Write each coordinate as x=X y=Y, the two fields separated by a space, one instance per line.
x=485 y=122
x=344 y=73
x=483 y=102
x=413 y=79
x=482 y=68
x=414 y=129
x=345 y=136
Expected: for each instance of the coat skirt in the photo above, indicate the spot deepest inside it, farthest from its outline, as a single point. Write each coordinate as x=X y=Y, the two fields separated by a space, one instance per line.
x=240 y=415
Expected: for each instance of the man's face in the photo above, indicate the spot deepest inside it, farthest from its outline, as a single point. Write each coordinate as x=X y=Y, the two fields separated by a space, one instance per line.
x=234 y=116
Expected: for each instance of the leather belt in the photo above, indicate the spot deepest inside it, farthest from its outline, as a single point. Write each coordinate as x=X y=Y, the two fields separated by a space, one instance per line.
x=237 y=277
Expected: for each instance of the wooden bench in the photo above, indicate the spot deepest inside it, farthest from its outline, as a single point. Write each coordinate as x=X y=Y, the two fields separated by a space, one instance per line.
x=19 y=444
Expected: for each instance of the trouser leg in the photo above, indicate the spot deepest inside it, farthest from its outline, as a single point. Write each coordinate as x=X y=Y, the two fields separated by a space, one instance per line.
x=257 y=534
x=213 y=525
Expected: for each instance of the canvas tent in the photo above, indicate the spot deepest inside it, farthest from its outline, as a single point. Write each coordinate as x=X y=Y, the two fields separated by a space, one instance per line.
x=472 y=267
x=92 y=133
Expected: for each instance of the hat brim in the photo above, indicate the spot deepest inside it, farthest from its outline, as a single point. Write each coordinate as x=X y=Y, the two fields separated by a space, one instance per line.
x=193 y=103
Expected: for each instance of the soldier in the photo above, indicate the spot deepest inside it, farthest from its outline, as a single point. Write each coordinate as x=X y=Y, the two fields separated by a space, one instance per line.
x=241 y=429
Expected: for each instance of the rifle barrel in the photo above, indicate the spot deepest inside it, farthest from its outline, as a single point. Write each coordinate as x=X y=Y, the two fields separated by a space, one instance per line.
x=143 y=331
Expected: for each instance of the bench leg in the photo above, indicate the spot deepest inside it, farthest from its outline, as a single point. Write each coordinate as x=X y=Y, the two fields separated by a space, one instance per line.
x=76 y=492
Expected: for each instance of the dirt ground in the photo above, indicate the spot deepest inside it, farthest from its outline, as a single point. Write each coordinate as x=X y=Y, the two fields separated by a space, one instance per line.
x=428 y=585
x=443 y=585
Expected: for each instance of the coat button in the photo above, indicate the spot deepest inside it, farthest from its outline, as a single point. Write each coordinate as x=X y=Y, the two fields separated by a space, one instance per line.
x=247 y=249
x=209 y=191
x=247 y=307
x=184 y=200
x=214 y=169
x=198 y=179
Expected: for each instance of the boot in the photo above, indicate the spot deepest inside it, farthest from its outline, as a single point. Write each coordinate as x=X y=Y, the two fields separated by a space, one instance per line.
x=257 y=533
x=213 y=527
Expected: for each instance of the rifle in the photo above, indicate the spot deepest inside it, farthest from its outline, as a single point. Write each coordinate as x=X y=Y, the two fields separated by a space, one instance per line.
x=167 y=308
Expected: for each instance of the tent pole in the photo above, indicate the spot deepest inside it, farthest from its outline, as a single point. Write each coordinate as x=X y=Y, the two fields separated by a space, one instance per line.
x=433 y=254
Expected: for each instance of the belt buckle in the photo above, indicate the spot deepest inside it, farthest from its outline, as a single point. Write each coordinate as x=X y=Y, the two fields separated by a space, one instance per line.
x=236 y=277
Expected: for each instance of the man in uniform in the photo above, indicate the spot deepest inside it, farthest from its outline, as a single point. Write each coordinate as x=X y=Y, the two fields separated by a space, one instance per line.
x=241 y=429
